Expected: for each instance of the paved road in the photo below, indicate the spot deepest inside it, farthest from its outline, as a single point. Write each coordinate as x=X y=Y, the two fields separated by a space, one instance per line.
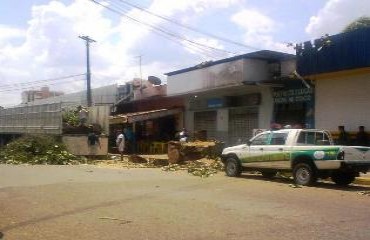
x=87 y=203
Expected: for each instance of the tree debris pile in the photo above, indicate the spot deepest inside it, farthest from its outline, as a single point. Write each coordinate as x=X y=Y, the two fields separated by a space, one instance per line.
x=37 y=149
x=179 y=152
x=201 y=168
x=134 y=161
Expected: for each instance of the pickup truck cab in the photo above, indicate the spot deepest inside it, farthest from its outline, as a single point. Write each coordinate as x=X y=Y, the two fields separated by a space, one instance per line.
x=308 y=154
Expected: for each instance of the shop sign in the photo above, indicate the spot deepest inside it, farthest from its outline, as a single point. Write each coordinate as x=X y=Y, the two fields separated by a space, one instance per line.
x=215 y=102
x=293 y=95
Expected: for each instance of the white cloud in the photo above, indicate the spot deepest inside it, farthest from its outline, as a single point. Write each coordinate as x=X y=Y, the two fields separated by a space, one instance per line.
x=336 y=15
x=259 y=29
x=49 y=47
x=7 y=33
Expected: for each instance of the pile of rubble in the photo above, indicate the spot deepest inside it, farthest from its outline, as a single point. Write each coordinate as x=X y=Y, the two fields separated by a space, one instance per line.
x=202 y=168
x=133 y=161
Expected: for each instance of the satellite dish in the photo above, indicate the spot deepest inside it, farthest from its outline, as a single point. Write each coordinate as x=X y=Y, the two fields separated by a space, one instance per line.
x=154 y=80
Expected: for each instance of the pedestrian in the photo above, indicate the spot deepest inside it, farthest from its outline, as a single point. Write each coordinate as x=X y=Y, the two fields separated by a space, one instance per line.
x=129 y=139
x=361 y=137
x=120 y=142
x=93 y=143
x=343 y=138
x=183 y=135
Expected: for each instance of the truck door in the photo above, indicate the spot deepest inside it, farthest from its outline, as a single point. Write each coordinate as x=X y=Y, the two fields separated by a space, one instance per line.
x=277 y=151
x=256 y=151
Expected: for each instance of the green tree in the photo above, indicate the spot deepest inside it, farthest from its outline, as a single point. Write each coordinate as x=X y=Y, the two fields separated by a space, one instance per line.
x=362 y=22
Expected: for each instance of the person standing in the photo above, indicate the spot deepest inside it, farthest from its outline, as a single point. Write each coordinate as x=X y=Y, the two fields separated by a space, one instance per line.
x=343 y=138
x=93 y=142
x=361 y=137
x=120 y=142
x=183 y=135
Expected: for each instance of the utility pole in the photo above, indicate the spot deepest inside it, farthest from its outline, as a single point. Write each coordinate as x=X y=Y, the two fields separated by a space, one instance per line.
x=88 y=40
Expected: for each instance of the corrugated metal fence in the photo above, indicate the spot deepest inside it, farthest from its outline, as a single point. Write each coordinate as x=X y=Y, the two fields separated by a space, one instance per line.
x=46 y=118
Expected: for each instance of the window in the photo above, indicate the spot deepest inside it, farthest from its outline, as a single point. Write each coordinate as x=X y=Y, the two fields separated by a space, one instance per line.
x=278 y=138
x=261 y=139
x=313 y=138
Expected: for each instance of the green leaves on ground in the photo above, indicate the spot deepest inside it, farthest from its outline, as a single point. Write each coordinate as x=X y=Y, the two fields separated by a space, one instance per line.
x=198 y=168
x=36 y=149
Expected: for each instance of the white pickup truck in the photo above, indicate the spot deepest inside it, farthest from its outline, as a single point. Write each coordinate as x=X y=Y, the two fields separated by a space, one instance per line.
x=308 y=153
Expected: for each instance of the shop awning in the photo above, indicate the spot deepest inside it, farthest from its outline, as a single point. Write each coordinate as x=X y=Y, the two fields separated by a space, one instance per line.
x=142 y=116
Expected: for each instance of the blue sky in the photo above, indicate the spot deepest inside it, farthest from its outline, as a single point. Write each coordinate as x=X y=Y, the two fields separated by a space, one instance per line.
x=39 y=38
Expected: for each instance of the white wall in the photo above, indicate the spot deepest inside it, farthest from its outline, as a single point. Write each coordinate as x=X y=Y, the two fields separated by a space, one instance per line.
x=343 y=101
x=222 y=120
x=78 y=145
x=255 y=70
x=266 y=108
x=224 y=74
x=287 y=67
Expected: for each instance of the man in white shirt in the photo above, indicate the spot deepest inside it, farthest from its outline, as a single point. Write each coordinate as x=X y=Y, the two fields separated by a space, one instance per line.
x=120 y=142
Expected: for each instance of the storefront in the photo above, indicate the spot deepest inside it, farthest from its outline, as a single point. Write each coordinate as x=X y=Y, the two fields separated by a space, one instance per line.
x=294 y=105
x=149 y=131
x=230 y=119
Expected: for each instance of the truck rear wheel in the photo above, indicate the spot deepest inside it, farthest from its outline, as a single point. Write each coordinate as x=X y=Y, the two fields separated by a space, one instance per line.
x=233 y=168
x=304 y=174
x=343 y=178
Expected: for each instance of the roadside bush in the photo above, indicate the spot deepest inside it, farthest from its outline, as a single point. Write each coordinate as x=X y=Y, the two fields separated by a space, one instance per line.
x=36 y=149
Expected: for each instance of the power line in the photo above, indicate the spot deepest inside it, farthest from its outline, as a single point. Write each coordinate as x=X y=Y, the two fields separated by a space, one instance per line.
x=189 y=27
x=180 y=37
x=203 y=50
x=200 y=48
x=39 y=81
x=19 y=88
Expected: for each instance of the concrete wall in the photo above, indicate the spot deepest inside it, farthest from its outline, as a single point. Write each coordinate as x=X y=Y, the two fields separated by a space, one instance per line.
x=343 y=101
x=77 y=145
x=287 y=67
x=99 y=115
x=266 y=108
x=220 y=75
x=255 y=70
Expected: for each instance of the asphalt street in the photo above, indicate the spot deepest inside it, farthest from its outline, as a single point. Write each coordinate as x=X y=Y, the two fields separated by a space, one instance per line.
x=86 y=202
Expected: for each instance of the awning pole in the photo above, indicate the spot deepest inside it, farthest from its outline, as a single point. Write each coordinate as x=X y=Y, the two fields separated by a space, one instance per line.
x=134 y=137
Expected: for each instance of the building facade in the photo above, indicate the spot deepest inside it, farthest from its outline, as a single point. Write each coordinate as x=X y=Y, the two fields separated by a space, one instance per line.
x=231 y=98
x=340 y=72
x=44 y=92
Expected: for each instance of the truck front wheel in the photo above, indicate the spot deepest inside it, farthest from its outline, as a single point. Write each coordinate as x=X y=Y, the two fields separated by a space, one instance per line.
x=304 y=174
x=343 y=178
x=233 y=168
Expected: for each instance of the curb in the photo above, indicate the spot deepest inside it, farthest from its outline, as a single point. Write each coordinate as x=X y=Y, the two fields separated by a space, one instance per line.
x=362 y=181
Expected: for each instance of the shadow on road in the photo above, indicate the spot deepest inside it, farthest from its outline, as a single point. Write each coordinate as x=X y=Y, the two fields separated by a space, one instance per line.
x=320 y=184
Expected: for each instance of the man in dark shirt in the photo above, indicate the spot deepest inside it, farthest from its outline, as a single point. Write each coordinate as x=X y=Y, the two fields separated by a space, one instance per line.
x=361 y=137
x=343 y=138
x=93 y=143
